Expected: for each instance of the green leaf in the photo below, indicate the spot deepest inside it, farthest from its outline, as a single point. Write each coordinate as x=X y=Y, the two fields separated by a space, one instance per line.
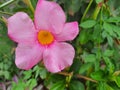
x=104 y=86
x=88 y=24
x=88 y=57
x=113 y=19
x=83 y=37
x=116 y=29
x=108 y=53
x=97 y=36
x=18 y=86
x=110 y=40
x=59 y=85
x=75 y=66
x=117 y=80
x=76 y=85
x=99 y=1
x=31 y=83
x=110 y=65
x=43 y=73
x=109 y=29
x=98 y=75
x=85 y=67
x=40 y=71
x=27 y=74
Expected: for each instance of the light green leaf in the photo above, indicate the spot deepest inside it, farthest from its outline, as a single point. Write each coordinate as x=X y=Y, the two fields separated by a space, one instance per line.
x=89 y=57
x=99 y=1
x=98 y=75
x=113 y=19
x=108 y=53
x=88 y=24
x=110 y=40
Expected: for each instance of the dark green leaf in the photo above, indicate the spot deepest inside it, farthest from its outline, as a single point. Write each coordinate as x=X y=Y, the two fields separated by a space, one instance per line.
x=76 y=85
x=85 y=67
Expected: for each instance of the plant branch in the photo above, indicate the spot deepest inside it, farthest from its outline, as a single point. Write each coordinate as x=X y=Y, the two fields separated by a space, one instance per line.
x=78 y=76
x=86 y=78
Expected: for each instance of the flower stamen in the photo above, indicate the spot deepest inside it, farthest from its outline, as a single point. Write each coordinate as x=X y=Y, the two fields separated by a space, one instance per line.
x=45 y=37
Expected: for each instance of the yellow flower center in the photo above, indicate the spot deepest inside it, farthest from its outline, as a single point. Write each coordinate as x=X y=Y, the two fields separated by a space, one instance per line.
x=45 y=37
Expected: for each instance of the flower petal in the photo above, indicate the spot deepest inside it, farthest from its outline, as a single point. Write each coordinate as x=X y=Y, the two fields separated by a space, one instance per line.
x=58 y=56
x=21 y=28
x=28 y=55
x=49 y=16
x=70 y=31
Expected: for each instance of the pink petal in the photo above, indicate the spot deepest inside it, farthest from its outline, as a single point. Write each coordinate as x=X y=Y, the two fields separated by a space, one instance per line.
x=49 y=16
x=28 y=55
x=58 y=56
x=70 y=31
x=21 y=28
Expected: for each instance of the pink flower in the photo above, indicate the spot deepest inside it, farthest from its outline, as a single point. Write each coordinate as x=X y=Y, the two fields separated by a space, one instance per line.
x=43 y=39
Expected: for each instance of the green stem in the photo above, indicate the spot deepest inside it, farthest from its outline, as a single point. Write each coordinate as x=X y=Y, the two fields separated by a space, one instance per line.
x=88 y=7
x=6 y=13
x=28 y=2
x=6 y=3
x=96 y=12
x=31 y=7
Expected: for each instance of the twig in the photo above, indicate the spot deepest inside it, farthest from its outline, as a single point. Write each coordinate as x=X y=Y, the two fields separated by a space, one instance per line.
x=78 y=76
x=86 y=78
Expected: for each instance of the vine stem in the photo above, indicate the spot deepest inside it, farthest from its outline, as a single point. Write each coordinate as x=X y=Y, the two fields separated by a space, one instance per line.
x=78 y=76
x=88 y=7
x=6 y=3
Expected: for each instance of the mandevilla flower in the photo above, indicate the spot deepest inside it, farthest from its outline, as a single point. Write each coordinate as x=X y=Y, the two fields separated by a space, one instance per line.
x=43 y=39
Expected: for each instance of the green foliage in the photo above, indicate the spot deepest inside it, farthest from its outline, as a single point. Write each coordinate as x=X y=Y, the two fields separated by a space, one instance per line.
x=96 y=65
x=88 y=24
x=76 y=85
